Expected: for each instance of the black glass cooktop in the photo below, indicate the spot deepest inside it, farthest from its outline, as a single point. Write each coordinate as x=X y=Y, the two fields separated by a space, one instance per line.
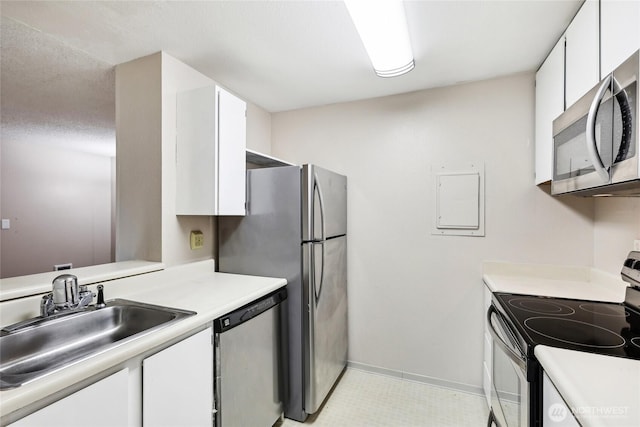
x=596 y=327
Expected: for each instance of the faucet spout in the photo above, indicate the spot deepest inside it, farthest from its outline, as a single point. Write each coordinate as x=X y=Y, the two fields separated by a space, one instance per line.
x=65 y=291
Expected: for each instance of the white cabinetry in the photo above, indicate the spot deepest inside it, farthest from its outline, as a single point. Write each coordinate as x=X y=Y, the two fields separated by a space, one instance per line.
x=582 y=52
x=549 y=105
x=210 y=152
x=555 y=411
x=620 y=32
x=488 y=349
x=104 y=403
x=177 y=384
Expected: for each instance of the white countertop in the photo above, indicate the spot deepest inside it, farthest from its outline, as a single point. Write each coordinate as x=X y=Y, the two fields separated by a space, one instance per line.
x=591 y=384
x=601 y=391
x=193 y=287
x=554 y=281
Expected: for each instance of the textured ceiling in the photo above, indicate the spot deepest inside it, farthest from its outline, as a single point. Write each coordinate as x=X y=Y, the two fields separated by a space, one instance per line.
x=57 y=57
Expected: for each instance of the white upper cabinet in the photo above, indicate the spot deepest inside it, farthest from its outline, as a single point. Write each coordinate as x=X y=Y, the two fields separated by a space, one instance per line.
x=210 y=152
x=620 y=32
x=232 y=144
x=582 y=52
x=549 y=105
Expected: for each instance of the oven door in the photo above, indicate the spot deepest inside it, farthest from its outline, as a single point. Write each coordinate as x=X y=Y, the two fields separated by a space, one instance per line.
x=510 y=389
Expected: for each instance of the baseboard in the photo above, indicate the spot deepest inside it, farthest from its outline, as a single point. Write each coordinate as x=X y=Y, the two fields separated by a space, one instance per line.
x=464 y=388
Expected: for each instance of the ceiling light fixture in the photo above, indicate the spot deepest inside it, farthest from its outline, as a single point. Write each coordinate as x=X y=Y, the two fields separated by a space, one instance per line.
x=382 y=25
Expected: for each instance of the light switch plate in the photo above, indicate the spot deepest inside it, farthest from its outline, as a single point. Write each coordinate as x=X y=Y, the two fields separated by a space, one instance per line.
x=6 y=224
x=636 y=245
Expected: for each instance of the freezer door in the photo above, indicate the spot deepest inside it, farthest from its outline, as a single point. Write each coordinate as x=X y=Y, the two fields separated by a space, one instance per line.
x=265 y=242
x=325 y=293
x=324 y=204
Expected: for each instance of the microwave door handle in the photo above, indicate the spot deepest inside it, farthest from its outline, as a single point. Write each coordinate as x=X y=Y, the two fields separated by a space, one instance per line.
x=516 y=358
x=592 y=148
x=622 y=98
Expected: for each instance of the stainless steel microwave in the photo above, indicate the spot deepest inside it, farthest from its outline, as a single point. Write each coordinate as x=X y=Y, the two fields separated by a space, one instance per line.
x=595 y=141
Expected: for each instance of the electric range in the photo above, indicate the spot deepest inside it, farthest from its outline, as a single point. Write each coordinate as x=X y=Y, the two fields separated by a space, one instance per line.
x=596 y=327
x=518 y=323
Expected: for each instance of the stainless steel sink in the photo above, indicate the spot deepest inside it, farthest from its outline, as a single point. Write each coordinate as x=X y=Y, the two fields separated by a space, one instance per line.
x=38 y=347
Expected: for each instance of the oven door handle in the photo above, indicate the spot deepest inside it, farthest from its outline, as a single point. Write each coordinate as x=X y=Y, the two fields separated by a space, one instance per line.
x=516 y=358
x=592 y=147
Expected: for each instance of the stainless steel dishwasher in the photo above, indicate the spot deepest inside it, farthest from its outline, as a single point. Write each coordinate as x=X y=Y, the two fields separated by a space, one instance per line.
x=249 y=362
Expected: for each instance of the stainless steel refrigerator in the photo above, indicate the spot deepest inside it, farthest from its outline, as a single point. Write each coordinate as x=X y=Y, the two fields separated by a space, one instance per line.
x=296 y=228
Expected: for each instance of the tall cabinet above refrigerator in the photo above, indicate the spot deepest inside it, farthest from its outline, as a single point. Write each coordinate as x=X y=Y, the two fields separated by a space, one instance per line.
x=296 y=227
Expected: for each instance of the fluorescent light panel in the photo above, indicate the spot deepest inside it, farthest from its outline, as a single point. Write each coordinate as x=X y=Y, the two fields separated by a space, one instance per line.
x=382 y=25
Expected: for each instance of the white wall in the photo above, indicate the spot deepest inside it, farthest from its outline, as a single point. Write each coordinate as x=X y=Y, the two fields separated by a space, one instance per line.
x=415 y=299
x=258 y=129
x=59 y=204
x=617 y=225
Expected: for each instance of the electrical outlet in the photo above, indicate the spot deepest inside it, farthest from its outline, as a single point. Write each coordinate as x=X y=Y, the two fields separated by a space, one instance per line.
x=197 y=239
x=636 y=245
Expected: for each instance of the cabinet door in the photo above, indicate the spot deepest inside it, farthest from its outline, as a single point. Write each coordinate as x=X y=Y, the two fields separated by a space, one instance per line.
x=232 y=144
x=549 y=105
x=488 y=349
x=177 y=384
x=555 y=411
x=196 y=153
x=210 y=152
x=620 y=32
x=104 y=403
x=583 y=52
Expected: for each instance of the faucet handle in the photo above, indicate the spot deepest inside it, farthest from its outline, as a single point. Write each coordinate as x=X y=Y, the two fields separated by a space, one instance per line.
x=46 y=305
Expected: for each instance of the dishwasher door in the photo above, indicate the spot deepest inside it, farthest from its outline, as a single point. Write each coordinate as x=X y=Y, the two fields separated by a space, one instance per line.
x=249 y=363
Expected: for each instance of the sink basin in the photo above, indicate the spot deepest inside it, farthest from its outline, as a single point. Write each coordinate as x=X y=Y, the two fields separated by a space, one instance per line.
x=35 y=348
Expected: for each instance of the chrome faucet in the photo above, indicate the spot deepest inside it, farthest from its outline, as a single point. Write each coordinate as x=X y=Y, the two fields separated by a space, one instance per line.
x=66 y=295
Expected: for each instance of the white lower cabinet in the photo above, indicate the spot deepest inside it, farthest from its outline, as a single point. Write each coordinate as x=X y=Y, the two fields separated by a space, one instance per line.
x=173 y=387
x=103 y=403
x=555 y=411
x=488 y=350
x=177 y=384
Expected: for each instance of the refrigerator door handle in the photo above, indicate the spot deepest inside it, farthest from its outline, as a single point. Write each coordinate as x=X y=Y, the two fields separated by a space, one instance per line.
x=317 y=290
x=315 y=285
x=318 y=190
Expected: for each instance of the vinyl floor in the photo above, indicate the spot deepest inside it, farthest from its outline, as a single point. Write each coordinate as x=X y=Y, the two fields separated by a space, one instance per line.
x=372 y=400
